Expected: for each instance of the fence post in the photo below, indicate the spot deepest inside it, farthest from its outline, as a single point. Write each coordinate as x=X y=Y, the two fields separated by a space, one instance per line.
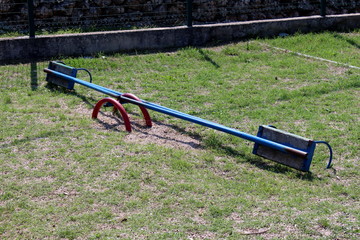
x=31 y=18
x=323 y=8
x=189 y=8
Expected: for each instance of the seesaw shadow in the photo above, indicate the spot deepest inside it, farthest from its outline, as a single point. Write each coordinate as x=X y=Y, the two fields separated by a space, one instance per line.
x=218 y=147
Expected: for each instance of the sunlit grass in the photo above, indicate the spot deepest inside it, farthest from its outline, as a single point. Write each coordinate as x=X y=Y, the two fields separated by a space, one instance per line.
x=334 y=46
x=66 y=176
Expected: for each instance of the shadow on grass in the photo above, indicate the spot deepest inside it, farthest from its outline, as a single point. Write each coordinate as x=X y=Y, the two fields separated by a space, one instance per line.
x=118 y=121
x=108 y=126
x=348 y=40
x=207 y=58
x=55 y=88
x=33 y=76
x=216 y=145
x=185 y=142
x=212 y=142
x=264 y=164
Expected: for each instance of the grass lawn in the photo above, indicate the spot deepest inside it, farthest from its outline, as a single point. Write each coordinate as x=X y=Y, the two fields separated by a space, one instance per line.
x=64 y=175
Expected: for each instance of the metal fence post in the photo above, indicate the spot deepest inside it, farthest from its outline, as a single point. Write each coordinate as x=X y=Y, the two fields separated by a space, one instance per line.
x=323 y=8
x=31 y=18
x=189 y=8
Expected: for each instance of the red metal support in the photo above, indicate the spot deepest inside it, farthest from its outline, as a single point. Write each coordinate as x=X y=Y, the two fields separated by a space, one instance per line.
x=144 y=111
x=118 y=106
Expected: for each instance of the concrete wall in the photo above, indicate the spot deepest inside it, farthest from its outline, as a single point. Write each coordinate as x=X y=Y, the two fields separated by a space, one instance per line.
x=53 y=46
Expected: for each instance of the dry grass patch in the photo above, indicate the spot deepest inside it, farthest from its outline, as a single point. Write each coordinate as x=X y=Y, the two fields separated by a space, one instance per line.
x=162 y=134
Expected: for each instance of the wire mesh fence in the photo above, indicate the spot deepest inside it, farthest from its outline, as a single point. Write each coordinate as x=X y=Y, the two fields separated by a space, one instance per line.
x=89 y=15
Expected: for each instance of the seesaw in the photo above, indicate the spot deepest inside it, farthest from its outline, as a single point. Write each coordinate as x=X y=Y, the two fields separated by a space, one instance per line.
x=271 y=143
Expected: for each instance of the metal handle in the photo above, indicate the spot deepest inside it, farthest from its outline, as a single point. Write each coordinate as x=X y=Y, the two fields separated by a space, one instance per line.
x=84 y=69
x=330 y=150
x=78 y=69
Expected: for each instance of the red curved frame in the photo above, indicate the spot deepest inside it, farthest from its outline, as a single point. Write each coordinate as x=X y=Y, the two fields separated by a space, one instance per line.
x=118 y=106
x=144 y=111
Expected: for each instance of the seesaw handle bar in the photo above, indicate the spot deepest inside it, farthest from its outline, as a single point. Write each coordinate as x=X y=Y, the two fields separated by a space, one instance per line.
x=330 y=152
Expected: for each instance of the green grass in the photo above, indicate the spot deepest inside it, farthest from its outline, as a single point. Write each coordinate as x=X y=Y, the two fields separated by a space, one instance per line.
x=334 y=46
x=66 y=176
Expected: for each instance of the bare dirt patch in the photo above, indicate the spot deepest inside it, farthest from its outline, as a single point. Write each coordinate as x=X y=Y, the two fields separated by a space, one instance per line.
x=162 y=134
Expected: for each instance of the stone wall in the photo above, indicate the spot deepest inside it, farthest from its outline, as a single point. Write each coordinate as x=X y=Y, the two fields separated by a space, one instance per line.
x=86 y=44
x=50 y=14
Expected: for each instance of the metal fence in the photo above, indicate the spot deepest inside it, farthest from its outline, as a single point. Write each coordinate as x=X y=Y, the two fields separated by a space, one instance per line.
x=35 y=16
